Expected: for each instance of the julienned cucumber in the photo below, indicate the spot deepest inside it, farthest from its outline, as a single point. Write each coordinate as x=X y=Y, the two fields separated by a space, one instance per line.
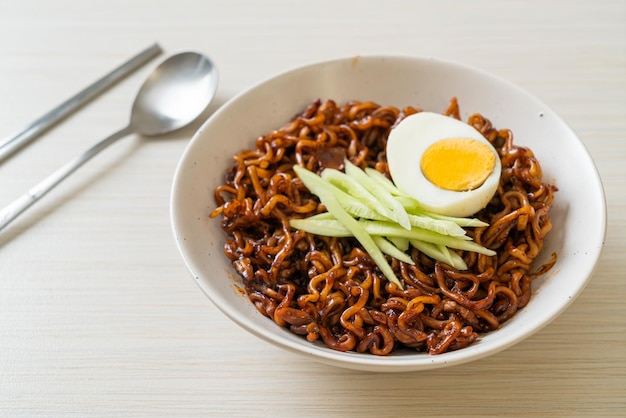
x=384 y=197
x=366 y=205
x=325 y=192
x=332 y=227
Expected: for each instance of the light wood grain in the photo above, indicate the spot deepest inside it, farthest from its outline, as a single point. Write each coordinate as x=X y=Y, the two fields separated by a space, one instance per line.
x=98 y=315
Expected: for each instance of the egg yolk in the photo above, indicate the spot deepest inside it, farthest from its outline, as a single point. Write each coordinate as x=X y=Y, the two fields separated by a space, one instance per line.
x=458 y=164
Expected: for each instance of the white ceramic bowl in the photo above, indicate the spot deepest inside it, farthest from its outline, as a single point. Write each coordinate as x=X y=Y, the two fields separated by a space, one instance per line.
x=578 y=215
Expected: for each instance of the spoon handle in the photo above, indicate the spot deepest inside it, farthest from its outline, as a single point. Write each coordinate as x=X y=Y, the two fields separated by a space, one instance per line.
x=36 y=192
x=11 y=144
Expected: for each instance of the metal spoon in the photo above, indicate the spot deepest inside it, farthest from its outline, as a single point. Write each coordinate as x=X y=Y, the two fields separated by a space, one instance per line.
x=174 y=95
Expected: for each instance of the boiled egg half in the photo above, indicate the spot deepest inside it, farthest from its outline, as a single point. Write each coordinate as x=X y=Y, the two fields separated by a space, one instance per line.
x=445 y=164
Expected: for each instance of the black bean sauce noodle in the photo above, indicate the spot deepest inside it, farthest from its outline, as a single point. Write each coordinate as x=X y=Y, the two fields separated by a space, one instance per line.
x=329 y=288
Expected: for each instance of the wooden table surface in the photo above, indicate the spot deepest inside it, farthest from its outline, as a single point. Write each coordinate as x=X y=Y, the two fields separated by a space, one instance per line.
x=98 y=314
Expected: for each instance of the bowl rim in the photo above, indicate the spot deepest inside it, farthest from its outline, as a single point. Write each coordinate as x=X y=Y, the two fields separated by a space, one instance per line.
x=360 y=361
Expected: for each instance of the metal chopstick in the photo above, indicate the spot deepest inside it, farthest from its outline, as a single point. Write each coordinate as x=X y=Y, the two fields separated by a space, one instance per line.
x=14 y=142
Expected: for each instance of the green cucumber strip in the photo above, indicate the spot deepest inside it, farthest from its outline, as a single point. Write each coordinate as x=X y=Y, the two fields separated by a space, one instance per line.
x=325 y=227
x=391 y=250
x=388 y=229
x=413 y=207
x=434 y=251
x=439 y=226
x=468 y=222
x=447 y=254
x=383 y=181
x=351 y=187
x=355 y=207
x=319 y=187
x=336 y=228
x=443 y=229
x=401 y=243
x=457 y=261
x=318 y=216
x=329 y=226
x=384 y=197
x=428 y=248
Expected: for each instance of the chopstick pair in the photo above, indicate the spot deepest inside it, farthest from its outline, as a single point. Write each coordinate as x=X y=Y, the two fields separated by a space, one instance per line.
x=13 y=143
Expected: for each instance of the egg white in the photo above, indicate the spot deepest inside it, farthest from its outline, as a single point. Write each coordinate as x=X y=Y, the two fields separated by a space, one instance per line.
x=406 y=145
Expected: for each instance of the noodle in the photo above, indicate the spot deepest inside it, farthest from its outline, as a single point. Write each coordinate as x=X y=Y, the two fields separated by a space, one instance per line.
x=329 y=289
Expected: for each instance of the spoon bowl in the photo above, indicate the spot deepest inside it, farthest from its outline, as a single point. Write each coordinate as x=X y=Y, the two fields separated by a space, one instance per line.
x=175 y=94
